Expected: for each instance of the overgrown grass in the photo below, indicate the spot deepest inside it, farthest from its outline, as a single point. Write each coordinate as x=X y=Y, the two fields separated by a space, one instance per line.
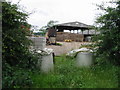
x=67 y=75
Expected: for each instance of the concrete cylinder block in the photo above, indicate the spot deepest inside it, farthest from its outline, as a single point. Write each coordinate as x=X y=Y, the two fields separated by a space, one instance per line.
x=84 y=59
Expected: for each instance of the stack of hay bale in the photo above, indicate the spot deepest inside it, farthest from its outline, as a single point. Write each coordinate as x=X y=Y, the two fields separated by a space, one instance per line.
x=61 y=36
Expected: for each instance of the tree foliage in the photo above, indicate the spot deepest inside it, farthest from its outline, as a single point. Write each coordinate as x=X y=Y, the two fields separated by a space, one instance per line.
x=15 y=45
x=109 y=39
x=49 y=24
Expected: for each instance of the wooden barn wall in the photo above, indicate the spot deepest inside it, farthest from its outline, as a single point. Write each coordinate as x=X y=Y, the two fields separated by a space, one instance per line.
x=61 y=36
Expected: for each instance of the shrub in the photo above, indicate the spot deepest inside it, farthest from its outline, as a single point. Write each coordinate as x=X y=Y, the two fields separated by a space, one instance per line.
x=16 y=78
x=109 y=39
x=17 y=60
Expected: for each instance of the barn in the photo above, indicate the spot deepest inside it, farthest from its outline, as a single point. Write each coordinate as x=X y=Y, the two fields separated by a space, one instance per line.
x=75 y=31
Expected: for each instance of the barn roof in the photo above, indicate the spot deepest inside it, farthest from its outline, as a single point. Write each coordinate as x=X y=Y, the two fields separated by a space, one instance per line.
x=72 y=26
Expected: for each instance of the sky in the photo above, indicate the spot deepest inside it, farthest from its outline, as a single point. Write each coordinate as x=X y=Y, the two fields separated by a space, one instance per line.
x=63 y=11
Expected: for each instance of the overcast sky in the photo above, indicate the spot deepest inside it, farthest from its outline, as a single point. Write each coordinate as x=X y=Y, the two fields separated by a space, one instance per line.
x=61 y=10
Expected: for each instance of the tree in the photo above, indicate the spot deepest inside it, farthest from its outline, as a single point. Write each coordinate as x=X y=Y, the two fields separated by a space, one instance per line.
x=15 y=29
x=49 y=24
x=15 y=46
x=109 y=39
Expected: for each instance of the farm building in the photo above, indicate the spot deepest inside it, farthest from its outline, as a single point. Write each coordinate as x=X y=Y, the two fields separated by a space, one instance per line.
x=75 y=31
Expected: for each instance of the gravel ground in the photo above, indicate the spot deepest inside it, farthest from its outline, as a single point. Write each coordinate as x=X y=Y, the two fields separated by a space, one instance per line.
x=66 y=47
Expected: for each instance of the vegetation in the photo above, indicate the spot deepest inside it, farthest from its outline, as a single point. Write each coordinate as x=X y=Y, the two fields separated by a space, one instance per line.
x=109 y=39
x=17 y=60
x=49 y=24
x=59 y=44
x=19 y=64
x=67 y=75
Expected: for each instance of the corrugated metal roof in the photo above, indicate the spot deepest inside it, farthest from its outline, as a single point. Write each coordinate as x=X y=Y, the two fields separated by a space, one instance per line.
x=75 y=24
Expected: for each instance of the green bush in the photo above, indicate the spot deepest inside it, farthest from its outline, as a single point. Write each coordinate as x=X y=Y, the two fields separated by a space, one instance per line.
x=16 y=78
x=109 y=38
x=59 y=44
x=17 y=60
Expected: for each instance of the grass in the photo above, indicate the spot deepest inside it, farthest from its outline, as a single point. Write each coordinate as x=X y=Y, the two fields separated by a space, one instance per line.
x=59 y=44
x=67 y=75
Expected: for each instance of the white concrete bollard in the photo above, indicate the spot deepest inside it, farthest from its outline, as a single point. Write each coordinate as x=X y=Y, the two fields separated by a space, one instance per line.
x=45 y=63
x=84 y=59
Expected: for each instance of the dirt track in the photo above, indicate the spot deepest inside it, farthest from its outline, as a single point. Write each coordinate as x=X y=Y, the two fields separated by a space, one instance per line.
x=66 y=47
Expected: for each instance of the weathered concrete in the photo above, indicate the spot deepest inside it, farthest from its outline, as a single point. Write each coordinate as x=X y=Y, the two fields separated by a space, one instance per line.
x=47 y=63
x=84 y=59
x=39 y=43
